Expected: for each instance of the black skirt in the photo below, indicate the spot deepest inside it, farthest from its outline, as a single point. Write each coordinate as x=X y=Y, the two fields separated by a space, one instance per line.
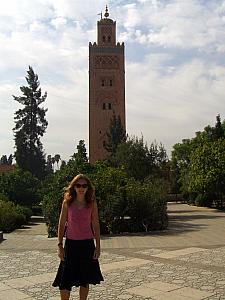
x=79 y=268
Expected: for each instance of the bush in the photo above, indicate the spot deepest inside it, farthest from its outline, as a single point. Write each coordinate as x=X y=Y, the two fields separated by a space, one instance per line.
x=51 y=206
x=147 y=205
x=12 y=216
x=20 y=187
x=128 y=205
x=203 y=200
x=25 y=211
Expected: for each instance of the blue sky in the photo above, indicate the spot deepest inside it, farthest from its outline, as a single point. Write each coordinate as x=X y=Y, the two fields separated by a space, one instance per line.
x=175 y=66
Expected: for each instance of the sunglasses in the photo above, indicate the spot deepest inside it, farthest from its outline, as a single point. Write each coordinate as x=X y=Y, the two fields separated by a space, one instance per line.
x=78 y=185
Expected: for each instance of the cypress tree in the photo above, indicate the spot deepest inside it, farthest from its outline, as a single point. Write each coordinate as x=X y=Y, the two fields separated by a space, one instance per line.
x=30 y=125
x=81 y=155
x=115 y=134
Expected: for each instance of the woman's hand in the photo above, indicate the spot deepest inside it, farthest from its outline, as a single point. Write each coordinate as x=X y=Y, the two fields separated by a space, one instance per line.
x=96 y=252
x=61 y=253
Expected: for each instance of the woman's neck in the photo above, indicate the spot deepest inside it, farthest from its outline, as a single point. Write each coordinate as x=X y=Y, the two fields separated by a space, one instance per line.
x=80 y=199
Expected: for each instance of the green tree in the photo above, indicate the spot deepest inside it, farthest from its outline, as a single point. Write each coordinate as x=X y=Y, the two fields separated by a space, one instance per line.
x=6 y=161
x=30 y=125
x=207 y=171
x=63 y=164
x=218 y=132
x=81 y=155
x=181 y=154
x=10 y=159
x=179 y=162
x=115 y=134
x=139 y=160
x=49 y=167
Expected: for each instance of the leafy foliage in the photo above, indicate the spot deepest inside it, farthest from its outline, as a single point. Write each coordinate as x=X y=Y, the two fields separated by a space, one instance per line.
x=147 y=204
x=139 y=160
x=115 y=135
x=12 y=216
x=20 y=187
x=49 y=166
x=207 y=170
x=81 y=155
x=6 y=161
x=197 y=165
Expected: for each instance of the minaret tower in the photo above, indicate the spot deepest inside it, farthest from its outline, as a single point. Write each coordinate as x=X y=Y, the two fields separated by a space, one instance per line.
x=106 y=85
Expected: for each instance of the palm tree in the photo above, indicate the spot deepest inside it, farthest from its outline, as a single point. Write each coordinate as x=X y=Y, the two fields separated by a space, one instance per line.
x=53 y=163
x=57 y=159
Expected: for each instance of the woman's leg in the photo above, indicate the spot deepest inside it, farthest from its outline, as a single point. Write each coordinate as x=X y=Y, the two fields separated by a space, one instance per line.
x=84 y=292
x=65 y=294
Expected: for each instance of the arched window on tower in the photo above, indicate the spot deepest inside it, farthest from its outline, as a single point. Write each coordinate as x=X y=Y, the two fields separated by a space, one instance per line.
x=109 y=106
x=103 y=82
x=103 y=106
x=103 y=38
x=104 y=144
x=110 y=82
x=109 y=39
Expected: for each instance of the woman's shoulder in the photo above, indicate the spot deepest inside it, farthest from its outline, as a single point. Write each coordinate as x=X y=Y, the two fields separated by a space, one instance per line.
x=67 y=203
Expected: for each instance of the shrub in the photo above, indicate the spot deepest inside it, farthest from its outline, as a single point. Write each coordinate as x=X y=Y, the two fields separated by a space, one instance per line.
x=12 y=216
x=3 y=197
x=51 y=206
x=10 y=219
x=203 y=200
x=20 y=187
x=128 y=205
x=25 y=211
x=147 y=205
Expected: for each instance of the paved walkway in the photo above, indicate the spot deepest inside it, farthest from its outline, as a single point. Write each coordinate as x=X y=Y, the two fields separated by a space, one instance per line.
x=185 y=262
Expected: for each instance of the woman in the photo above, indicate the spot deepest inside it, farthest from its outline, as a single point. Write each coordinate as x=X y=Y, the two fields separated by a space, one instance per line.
x=79 y=264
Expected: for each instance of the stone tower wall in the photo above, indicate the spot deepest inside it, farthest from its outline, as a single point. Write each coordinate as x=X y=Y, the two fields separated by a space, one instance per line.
x=106 y=86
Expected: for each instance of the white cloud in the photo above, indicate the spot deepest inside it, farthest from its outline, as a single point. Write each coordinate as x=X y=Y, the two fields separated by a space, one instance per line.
x=58 y=22
x=175 y=105
x=183 y=24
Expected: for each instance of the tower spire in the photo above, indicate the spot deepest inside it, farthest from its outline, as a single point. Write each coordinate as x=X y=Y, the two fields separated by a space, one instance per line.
x=106 y=12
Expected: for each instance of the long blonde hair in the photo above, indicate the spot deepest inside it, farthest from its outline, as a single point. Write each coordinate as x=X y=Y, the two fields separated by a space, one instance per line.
x=70 y=193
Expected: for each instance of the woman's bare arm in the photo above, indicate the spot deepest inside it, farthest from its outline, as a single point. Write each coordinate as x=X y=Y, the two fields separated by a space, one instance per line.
x=61 y=228
x=96 y=228
x=62 y=221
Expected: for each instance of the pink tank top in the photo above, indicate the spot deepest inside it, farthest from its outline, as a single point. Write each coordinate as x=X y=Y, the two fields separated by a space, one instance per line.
x=79 y=223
